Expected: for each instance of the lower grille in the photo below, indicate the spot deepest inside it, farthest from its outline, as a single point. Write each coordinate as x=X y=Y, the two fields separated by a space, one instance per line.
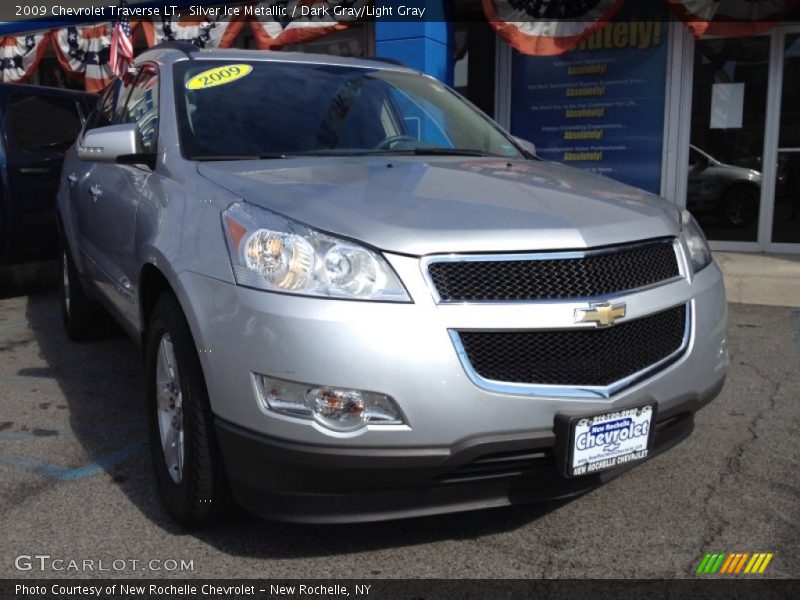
x=578 y=357
x=541 y=463
x=500 y=466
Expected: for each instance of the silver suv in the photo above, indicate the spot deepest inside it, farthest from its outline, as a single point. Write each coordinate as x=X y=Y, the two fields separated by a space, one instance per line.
x=358 y=298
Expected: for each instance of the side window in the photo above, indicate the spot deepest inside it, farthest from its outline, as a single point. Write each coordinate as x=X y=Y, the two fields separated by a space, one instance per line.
x=39 y=123
x=125 y=87
x=103 y=113
x=142 y=108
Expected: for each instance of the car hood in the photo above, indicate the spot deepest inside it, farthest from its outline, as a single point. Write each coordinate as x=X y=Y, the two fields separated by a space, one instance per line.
x=416 y=206
x=738 y=173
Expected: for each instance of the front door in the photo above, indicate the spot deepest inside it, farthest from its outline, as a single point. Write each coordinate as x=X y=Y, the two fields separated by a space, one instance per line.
x=108 y=198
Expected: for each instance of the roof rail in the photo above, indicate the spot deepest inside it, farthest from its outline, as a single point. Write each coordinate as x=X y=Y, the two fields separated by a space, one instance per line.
x=390 y=61
x=184 y=46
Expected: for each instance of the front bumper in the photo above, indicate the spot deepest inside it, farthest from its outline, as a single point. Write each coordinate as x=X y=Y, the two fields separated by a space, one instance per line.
x=405 y=351
x=322 y=484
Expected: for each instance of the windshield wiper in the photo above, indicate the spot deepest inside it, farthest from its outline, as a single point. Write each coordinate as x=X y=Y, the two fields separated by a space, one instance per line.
x=208 y=157
x=415 y=151
x=452 y=152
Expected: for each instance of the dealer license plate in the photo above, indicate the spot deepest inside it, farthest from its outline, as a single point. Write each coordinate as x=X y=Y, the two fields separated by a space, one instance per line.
x=610 y=440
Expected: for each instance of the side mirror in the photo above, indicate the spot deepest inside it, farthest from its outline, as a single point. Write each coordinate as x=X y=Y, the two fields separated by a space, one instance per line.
x=526 y=145
x=114 y=143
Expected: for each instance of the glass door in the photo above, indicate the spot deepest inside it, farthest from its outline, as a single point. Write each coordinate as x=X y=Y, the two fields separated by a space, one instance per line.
x=786 y=211
x=729 y=108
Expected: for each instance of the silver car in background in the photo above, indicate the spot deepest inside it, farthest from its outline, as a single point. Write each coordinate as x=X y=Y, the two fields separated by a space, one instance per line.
x=731 y=193
x=358 y=298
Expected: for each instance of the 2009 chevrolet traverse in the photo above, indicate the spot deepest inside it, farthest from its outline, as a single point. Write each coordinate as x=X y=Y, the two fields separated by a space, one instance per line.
x=359 y=298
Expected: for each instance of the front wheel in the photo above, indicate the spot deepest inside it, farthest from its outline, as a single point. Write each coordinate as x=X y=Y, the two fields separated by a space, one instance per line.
x=188 y=466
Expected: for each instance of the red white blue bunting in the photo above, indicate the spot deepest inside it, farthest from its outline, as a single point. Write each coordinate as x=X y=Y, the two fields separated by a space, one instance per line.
x=732 y=18
x=538 y=27
x=20 y=55
x=209 y=33
x=272 y=31
x=548 y=27
x=83 y=53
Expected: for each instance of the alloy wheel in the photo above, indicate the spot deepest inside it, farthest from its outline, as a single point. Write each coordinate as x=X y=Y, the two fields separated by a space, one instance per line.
x=169 y=399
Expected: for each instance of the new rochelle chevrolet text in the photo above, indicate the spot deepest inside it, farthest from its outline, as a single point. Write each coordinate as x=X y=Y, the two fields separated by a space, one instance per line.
x=358 y=298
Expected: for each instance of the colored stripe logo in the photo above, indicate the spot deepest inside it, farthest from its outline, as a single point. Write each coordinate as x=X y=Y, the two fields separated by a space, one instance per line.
x=734 y=563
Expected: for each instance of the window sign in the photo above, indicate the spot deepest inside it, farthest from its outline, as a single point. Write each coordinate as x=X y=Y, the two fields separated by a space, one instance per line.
x=727 y=105
x=600 y=106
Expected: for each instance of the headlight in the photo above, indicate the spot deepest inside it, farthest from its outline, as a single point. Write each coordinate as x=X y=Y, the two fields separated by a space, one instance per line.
x=699 y=252
x=273 y=253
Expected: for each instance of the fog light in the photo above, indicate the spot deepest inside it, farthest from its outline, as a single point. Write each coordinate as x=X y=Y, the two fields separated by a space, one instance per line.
x=335 y=408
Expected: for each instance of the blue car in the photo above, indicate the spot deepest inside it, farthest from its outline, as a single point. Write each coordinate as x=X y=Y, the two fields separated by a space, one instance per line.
x=37 y=125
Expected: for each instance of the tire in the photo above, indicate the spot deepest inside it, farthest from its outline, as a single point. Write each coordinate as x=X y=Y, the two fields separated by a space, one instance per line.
x=739 y=206
x=189 y=471
x=83 y=318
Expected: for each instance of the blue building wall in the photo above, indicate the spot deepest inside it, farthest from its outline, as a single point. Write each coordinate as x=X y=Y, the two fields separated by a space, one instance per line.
x=426 y=45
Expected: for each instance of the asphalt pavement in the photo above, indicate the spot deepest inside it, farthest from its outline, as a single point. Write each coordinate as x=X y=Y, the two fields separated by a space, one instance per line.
x=76 y=482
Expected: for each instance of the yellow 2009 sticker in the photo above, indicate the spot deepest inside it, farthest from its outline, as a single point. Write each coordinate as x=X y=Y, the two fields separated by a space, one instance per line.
x=218 y=76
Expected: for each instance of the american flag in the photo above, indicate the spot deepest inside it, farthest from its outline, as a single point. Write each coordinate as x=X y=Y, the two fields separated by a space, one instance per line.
x=121 y=53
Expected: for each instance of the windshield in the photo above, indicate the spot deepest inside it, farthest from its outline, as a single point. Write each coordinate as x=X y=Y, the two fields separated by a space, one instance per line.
x=240 y=109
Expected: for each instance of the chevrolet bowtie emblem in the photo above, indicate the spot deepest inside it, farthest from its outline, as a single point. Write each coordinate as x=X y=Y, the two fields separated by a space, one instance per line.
x=603 y=315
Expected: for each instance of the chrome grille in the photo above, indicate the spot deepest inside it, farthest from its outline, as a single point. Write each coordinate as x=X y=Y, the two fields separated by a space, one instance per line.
x=580 y=357
x=559 y=275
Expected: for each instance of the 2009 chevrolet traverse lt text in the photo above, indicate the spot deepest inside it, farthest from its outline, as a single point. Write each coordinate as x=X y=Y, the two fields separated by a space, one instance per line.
x=358 y=298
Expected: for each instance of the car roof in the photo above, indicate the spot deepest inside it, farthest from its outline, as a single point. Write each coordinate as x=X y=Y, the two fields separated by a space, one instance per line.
x=170 y=52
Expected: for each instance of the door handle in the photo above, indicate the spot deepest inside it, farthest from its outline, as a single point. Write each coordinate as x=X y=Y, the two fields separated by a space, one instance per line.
x=95 y=191
x=72 y=178
x=34 y=170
